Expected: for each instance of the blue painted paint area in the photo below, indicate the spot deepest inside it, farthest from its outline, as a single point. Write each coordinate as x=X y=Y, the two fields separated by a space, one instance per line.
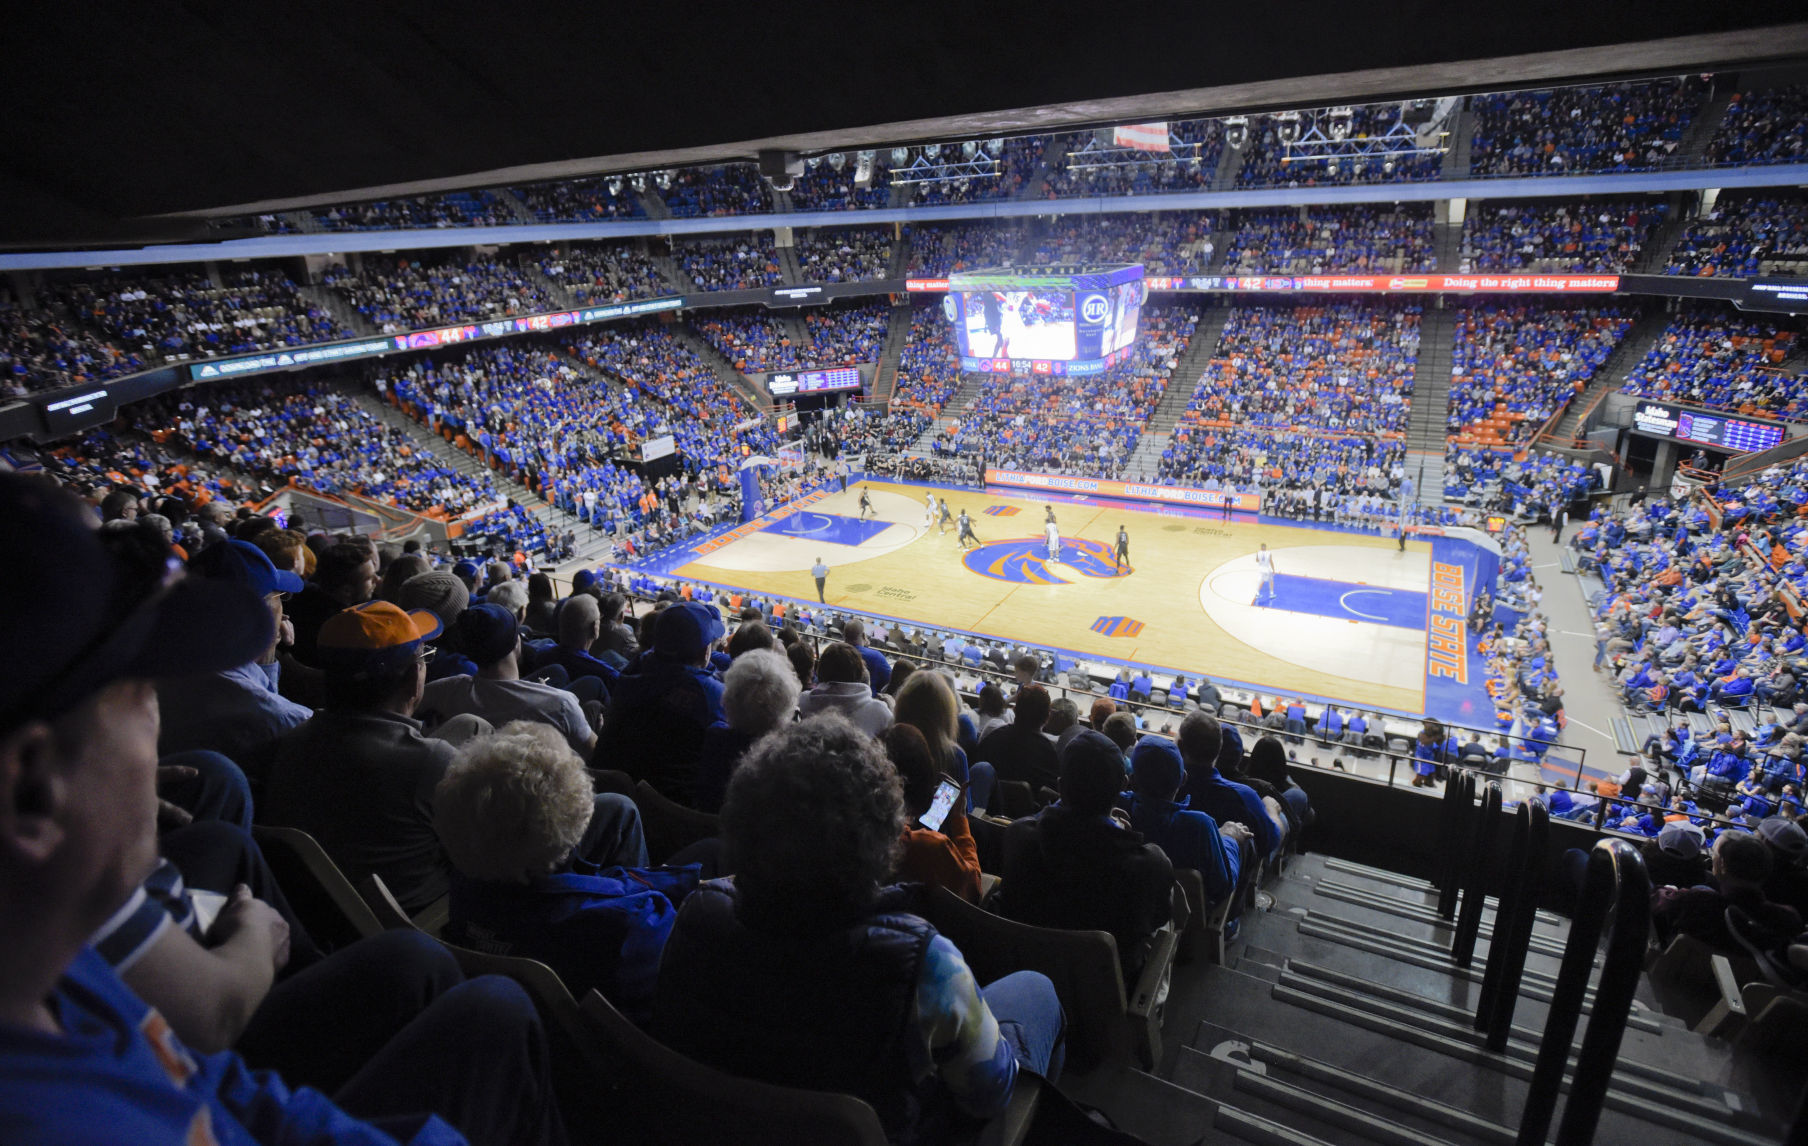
x=1463 y=702
x=1024 y=560
x=814 y=525
x=1346 y=601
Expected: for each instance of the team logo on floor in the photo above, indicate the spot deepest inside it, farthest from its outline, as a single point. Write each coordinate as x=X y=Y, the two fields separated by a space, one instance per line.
x=1118 y=627
x=1024 y=560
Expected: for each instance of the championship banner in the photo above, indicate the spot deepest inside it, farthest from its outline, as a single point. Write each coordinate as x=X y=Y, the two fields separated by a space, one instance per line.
x=1133 y=491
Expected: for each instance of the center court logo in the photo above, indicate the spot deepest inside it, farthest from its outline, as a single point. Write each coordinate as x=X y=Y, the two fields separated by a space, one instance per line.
x=1094 y=308
x=1024 y=561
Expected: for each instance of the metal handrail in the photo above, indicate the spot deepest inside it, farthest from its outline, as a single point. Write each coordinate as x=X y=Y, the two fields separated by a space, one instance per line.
x=1459 y=803
x=1513 y=920
x=1615 y=881
x=1476 y=865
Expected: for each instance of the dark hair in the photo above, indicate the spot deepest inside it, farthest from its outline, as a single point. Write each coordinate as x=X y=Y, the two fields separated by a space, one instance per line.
x=900 y=673
x=991 y=700
x=751 y=635
x=250 y=528
x=400 y=570
x=1029 y=664
x=540 y=588
x=840 y=662
x=803 y=660
x=1120 y=728
x=1200 y=738
x=338 y=565
x=910 y=755
x=1032 y=706
x=1744 y=857
x=1267 y=760
x=1090 y=783
x=811 y=826
x=116 y=503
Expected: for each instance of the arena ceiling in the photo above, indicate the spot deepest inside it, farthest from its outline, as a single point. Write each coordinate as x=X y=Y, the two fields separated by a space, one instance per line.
x=130 y=127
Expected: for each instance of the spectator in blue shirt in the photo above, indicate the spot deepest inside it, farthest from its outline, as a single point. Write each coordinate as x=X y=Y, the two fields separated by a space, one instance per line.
x=1226 y=801
x=1191 y=839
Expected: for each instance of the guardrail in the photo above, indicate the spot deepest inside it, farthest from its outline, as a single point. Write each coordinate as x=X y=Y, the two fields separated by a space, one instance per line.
x=1513 y=918
x=1476 y=866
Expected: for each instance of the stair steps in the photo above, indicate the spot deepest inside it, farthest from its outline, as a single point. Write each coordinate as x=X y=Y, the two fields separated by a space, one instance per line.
x=1612 y=374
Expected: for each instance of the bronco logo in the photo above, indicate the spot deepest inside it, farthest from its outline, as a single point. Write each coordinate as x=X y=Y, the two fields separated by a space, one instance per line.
x=1025 y=560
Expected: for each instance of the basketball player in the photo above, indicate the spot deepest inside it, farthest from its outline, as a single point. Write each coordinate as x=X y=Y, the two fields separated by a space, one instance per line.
x=1265 y=563
x=1053 y=532
x=1048 y=512
x=944 y=519
x=928 y=510
x=965 y=534
x=866 y=503
x=1122 y=557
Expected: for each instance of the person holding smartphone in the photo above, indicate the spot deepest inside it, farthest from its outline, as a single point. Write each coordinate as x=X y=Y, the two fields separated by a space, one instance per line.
x=938 y=844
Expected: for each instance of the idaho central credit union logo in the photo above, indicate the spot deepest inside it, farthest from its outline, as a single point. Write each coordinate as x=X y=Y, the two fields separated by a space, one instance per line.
x=1025 y=561
x=1094 y=308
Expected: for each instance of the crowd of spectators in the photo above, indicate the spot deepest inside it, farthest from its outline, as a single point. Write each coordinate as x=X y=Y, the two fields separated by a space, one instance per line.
x=938 y=249
x=1762 y=127
x=1605 y=127
x=843 y=255
x=1578 y=238
x=1521 y=362
x=579 y=201
x=1247 y=459
x=1745 y=236
x=397 y=293
x=1166 y=243
x=1317 y=240
x=184 y=314
x=37 y=352
x=731 y=189
x=846 y=334
x=453 y=209
x=753 y=340
x=1094 y=165
x=1267 y=162
x=603 y=272
x=1015 y=170
x=1087 y=425
x=1523 y=484
x=729 y=264
x=1711 y=356
x=822 y=188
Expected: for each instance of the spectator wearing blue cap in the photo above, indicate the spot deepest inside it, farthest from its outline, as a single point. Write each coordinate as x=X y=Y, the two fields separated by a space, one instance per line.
x=237 y=711
x=660 y=708
x=491 y=636
x=1191 y=839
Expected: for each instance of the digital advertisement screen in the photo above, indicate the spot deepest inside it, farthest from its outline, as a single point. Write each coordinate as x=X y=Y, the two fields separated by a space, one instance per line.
x=1049 y=320
x=782 y=383
x=1735 y=435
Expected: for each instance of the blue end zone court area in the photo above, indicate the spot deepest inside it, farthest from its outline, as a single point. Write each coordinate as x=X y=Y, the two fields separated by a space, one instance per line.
x=1346 y=601
x=813 y=525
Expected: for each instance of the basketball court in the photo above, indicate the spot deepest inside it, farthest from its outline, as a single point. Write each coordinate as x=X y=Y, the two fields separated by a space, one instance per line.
x=1347 y=616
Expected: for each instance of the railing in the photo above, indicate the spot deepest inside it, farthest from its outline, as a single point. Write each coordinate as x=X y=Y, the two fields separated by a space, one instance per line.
x=1615 y=881
x=1454 y=817
x=1523 y=876
x=1476 y=864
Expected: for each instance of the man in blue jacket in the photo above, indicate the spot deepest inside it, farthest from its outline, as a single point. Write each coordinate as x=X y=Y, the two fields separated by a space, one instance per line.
x=1225 y=801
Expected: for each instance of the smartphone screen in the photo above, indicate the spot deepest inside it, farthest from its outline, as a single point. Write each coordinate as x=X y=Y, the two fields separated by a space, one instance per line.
x=946 y=793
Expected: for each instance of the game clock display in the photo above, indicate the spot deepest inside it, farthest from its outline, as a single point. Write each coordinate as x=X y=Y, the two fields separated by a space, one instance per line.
x=1045 y=320
x=1735 y=435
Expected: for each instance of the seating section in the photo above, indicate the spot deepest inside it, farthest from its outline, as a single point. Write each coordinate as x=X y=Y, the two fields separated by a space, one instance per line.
x=928 y=375
x=1022 y=158
x=1745 y=236
x=846 y=334
x=823 y=188
x=1267 y=162
x=1711 y=356
x=1317 y=240
x=1602 y=127
x=453 y=209
x=847 y=254
x=1761 y=127
x=1094 y=165
x=1514 y=366
x=603 y=272
x=184 y=314
x=938 y=249
x=1587 y=238
x=406 y=292
x=1168 y=243
x=729 y=264
x=753 y=340
x=580 y=201
x=1502 y=480
x=731 y=189
x=37 y=352
x=1076 y=425
x=294 y=429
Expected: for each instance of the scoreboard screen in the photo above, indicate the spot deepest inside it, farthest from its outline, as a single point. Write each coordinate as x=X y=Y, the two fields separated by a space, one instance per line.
x=1045 y=320
x=1734 y=435
x=782 y=383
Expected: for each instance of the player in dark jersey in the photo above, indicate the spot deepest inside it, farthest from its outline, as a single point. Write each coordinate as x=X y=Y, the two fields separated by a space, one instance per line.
x=965 y=526
x=947 y=519
x=1123 y=549
x=866 y=504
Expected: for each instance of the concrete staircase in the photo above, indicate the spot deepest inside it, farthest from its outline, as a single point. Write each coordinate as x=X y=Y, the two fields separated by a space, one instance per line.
x=652 y=203
x=1145 y=459
x=1447 y=239
x=1052 y=157
x=1427 y=424
x=303 y=221
x=1340 y=1017
x=718 y=362
x=592 y=546
x=788 y=270
x=1692 y=150
x=956 y=406
x=339 y=307
x=1656 y=253
x=1230 y=161
x=1611 y=376
x=900 y=258
x=507 y=197
x=669 y=269
x=556 y=290
x=897 y=332
x=1462 y=136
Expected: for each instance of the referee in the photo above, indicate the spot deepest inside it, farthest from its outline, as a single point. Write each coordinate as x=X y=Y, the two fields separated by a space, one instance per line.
x=821 y=573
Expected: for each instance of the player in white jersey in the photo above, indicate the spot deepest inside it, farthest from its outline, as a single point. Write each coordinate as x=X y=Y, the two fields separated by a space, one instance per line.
x=928 y=510
x=1053 y=533
x=1265 y=563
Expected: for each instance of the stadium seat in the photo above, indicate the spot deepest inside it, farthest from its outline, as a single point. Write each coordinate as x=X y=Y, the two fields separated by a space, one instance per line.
x=670 y=826
x=1104 y=1026
x=324 y=900
x=1014 y=799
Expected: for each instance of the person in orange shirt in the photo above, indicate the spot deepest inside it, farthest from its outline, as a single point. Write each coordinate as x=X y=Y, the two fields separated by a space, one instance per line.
x=947 y=857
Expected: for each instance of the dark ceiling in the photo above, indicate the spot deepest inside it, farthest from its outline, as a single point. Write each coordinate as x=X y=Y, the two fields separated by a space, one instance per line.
x=163 y=107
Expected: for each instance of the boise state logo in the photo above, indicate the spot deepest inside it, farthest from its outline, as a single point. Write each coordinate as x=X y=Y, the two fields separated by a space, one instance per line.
x=1024 y=561
x=1094 y=308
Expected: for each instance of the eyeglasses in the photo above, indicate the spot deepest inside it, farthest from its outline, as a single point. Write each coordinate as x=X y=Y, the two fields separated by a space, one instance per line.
x=426 y=655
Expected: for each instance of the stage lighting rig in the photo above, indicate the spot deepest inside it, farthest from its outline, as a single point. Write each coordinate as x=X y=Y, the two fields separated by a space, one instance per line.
x=1338 y=120
x=1236 y=132
x=1287 y=126
x=1328 y=140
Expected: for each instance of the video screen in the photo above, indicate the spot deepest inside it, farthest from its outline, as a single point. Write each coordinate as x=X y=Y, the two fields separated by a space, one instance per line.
x=1120 y=330
x=1019 y=323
